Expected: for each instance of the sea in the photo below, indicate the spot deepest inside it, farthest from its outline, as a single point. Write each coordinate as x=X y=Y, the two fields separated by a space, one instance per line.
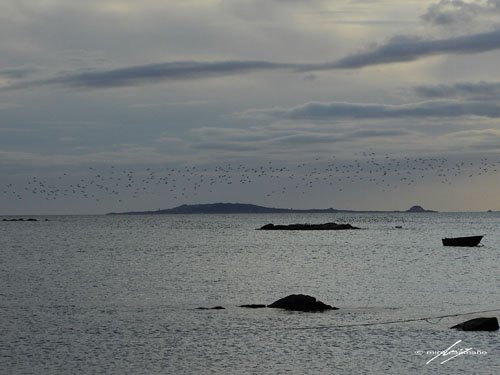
x=120 y=294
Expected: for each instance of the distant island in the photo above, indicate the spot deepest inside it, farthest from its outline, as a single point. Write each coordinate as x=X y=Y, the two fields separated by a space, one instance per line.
x=243 y=208
x=418 y=209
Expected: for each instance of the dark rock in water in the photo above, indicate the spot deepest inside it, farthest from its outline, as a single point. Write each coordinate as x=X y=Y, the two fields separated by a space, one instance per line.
x=478 y=324
x=326 y=226
x=268 y=226
x=254 y=306
x=20 y=219
x=301 y=302
x=211 y=308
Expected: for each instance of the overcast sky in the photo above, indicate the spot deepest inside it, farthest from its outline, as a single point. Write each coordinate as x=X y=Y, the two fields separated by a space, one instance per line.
x=118 y=105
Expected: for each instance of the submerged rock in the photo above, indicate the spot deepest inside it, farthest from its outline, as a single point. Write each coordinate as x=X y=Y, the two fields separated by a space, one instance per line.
x=301 y=302
x=478 y=324
x=254 y=306
x=326 y=226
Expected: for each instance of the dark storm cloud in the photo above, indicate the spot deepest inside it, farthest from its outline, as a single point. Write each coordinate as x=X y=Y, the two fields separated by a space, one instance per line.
x=471 y=90
x=341 y=111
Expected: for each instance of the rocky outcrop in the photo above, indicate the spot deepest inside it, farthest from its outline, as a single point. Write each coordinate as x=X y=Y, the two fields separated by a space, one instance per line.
x=211 y=308
x=21 y=219
x=326 y=226
x=301 y=302
x=418 y=209
x=478 y=324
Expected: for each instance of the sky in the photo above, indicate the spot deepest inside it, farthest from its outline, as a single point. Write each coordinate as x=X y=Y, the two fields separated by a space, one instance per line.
x=109 y=106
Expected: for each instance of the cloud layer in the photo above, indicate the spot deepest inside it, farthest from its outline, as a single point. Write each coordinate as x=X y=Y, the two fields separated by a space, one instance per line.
x=297 y=74
x=342 y=111
x=404 y=49
x=469 y=90
x=152 y=73
x=451 y=12
x=397 y=49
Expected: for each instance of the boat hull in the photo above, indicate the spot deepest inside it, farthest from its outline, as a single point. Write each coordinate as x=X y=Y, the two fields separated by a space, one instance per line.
x=462 y=241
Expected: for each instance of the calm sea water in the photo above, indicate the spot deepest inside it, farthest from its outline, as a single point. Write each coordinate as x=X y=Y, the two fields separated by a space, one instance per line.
x=118 y=295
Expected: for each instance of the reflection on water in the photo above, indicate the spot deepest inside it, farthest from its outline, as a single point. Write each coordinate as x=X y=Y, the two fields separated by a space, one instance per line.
x=97 y=294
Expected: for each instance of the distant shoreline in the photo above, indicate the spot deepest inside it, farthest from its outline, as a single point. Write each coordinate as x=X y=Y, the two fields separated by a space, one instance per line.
x=243 y=208
x=148 y=213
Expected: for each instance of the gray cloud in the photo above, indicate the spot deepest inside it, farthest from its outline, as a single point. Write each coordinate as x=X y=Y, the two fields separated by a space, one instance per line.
x=480 y=139
x=235 y=139
x=18 y=72
x=449 y=12
x=470 y=90
x=446 y=12
x=223 y=146
x=342 y=111
x=233 y=134
x=397 y=49
x=370 y=133
x=404 y=49
x=307 y=138
x=151 y=73
x=7 y=105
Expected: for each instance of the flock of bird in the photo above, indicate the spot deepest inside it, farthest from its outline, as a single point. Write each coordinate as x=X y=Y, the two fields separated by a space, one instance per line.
x=182 y=183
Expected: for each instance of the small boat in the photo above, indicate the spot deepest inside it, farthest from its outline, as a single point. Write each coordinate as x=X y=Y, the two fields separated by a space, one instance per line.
x=462 y=241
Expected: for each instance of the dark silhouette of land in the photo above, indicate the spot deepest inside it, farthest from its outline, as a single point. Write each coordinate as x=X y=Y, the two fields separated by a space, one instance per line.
x=326 y=226
x=418 y=209
x=242 y=208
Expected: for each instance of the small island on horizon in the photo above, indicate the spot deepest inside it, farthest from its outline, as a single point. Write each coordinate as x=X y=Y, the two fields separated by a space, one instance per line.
x=245 y=208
